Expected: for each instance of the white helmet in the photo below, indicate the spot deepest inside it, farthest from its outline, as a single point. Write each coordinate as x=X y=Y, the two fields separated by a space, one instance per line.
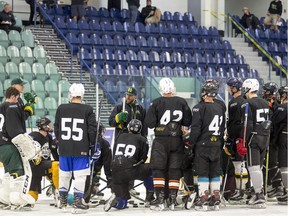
x=250 y=85
x=166 y=86
x=76 y=90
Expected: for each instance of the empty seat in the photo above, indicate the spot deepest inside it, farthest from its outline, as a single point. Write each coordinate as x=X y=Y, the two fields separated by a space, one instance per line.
x=39 y=107
x=51 y=105
x=3 y=55
x=1 y=91
x=15 y=38
x=64 y=85
x=38 y=88
x=39 y=71
x=3 y=74
x=52 y=88
x=26 y=72
x=12 y=70
x=4 y=41
x=27 y=54
x=52 y=71
x=40 y=54
x=14 y=55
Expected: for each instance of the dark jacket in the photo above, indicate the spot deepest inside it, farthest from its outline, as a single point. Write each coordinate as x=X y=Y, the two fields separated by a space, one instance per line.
x=7 y=17
x=147 y=10
x=249 y=21
x=275 y=8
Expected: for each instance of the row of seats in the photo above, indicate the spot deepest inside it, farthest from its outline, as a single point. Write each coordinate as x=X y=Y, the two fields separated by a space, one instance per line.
x=274 y=49
x=48 y=89
x=24 y=70
x=25 y=38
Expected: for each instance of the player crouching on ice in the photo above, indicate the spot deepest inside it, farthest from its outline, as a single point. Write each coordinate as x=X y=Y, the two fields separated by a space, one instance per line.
x=207 y=128
x=16 y=149
x=44 y=166
x=130 y=153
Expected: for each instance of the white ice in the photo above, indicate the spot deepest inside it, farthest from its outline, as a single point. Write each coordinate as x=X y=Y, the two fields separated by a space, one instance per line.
x=42 y=207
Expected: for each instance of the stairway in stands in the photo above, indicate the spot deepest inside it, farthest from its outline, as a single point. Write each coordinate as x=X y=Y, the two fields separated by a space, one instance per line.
x=58 y=53
x=252 y=58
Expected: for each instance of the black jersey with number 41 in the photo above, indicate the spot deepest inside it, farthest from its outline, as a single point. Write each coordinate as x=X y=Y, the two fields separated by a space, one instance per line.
x=75 y=129
x=167 y=115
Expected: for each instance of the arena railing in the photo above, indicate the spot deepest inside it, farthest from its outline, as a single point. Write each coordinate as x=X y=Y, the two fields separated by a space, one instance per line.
x=259 y=47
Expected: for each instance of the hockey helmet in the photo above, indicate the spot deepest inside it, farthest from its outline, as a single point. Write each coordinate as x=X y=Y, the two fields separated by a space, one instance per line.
x=166 y=86
x=250 y=85
x=135 y=126
x=215 y=82
x=44 y=124
x=209 y=89
x=235 y=82
x=283 y=92
x=269 y=89
x=76 y=90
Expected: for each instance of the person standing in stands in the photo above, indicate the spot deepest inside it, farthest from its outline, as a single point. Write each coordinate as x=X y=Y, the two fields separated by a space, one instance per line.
x=78 y=9
x=150 y=14
x=7 y=20
x=133 y=6
x=274 y=14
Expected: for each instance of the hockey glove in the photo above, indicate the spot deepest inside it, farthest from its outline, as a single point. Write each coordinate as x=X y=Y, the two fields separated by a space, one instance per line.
x=121 y=117
x=109 y=181
x=228 y=148
x=29 y=97
x=242 y=150
x=29 y=107
x=97 y=154
x=188 y=150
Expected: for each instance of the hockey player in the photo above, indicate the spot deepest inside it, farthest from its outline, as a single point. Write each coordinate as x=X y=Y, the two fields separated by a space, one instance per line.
x=167 y=115
x=234 y=128
x=44 y=166
x=75 y=129
x=279 y=139
x=130 y=153
x=208 y=121
x=275 y=186
x=257 y=136
x=104 y=160
x=16 y=149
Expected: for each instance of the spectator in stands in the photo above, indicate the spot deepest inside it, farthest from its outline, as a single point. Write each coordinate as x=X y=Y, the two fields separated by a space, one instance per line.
x=32 y=11
x=249 y=20
x=7 y=19
x=274 y=14
x=78 y=9
x=150 y=13
x=133 y=6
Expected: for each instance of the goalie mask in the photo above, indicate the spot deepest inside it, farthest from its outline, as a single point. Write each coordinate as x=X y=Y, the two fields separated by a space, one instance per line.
x=166 y=86
x=135 y=126
x=76 y=90
x=44 y=124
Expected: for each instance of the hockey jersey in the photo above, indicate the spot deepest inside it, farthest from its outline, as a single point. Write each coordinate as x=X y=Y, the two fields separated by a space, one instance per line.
x=75 y=129
x=167 y=115
x=279 y=120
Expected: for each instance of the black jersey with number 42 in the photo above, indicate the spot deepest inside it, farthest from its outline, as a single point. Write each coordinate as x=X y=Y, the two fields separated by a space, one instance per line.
x=164 y=112
x=75 y=129
x=208 y=120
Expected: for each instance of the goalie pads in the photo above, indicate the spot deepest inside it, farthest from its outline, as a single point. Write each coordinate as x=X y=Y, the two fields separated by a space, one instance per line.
x=27 y=147
x=5 y=188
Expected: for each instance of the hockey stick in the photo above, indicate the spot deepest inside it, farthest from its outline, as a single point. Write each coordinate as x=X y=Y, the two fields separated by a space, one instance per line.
x=88 y=192
x=225 y=182
x=244 y=142
x=191 y=197
x=266 y=173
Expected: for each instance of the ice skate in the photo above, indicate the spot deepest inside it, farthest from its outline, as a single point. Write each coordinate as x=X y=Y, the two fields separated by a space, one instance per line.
x=237 y=198
x=190 y=200
x=172 y=198
x=133 y=192
x=63 y=200
x=274 y=192
x=282 y=200
x=110 y=202
x=257 y=201
x=202 y=203
x=214 y=201
x=158 y=203
x=79 y=205
x=149 y=198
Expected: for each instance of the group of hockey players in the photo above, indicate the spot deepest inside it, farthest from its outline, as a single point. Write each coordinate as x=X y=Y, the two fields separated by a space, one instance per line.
x=241 y=159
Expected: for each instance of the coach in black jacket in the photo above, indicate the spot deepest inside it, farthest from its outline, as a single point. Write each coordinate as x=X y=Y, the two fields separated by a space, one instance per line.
x=7 y=20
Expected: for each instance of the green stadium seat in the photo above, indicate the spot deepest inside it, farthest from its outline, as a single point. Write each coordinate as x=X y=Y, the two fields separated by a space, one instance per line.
x=64 y=85
x=3 y=55
x=39 y=107
x=7 y=83
x=31 y=121
x=39 y=71
x=3 y=74
x=26 y=72
x=18 y=22
x=4 y=41
x=52 y=71
x=40 y=54
x=51 y=105
x=51 y=118
x=38 y=88
x=2 y=5
x=28 y=38
x=64 y=100
x=14 y=55
x=15 y=38
x=27 y=86
x=12 y=70
x=27 y=54
x=1 y=91
x=52 y=88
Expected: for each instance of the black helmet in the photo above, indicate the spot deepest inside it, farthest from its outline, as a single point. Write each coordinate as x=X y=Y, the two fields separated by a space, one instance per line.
x=44 y=124
x=135 y=126
x=235 y=82
x=269 y=89
x=215 y=82
x=283 y=92
x=210 y=89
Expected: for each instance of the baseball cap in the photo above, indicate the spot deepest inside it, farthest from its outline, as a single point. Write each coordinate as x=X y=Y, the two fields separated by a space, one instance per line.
x=131 y=91
x=18 y=81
